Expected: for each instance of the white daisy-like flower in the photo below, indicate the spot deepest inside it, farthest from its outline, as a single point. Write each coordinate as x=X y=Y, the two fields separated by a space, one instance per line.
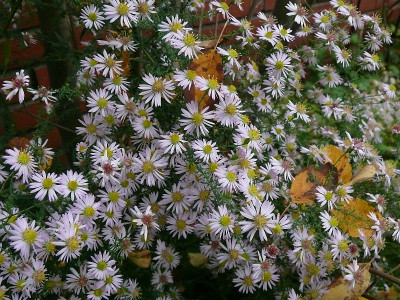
x=300 y=110
x=299 y=12
x=125 y=11
x=245 y=279
x=181 y=224
x=101 y=266
x=45 y=185
x=16 y=86
x=155 y=89
x=211 y=85
x=3 y=174
x=343 y=193
x=73 y=184
x=43 y=94
x=222 y=222
x=353 y=273
x=25 y=236
x=330 y=223
x=279 y=64
x=149 y=166
x=173 y=143
x=22 y=162
x=196 y=121
x=92 y=17
x=205 y=150
x=186 y=78
x=187 y=43
x=325 y=197
x=166 y=256
x=260 y=219
x=284 y=167
x=228 y=111
x=146 y=220
x=172 y=26
x=107 y=64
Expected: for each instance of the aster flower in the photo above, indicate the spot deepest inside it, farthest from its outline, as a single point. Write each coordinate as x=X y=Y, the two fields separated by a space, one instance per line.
x=221 y=222
x=92 y=17
x=187 y=43
x=149 y=167
x=107 y=64
x=101 y=266
x=125 y=11
x=22 y=162
x=43 y=94
x=45 y=185
x=260 y=215
x=299 y=12
x=16 y=86
x=25 y=236
x=146 y=220
x=196 y=121
x=155 y=89
x=245 y=279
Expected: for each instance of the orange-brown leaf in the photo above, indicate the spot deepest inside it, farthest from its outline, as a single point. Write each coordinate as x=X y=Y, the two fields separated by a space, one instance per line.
x=141 y=258
x=366 y=173
x=354 y=215
x=340 y=288
x=208 y=65
x=341 y=161
x=306 y=182
x=18 y=142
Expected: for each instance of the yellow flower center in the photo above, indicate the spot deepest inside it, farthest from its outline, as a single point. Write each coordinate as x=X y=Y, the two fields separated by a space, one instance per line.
x=113 y=196
x=174 y=138
x=98 y=292
x=158 y=86
x=123 y=9
x=146 y=123
x=102 y=265
x=177 y=197
x=212 y=167
x=230 y=176
x=148 y=167
x=231 y=109
x=143 y=8
x=23 y=158
x=189 y=40
x=343 y=245
x=92 y=17
x=207 y=149
x=197 y=118
x=180 y=225
x=334 y=222
x=175 y=26
x=224 y=6
x=117 y=80
x=89 y=211
x=50 y=247
x=72 y=185
x=47 y=183
x=91 y=128
x=110 y=62
x=260 y=221
x=233 y=53
x=212 y=84
x=342 y=192
x=266 y=276
x=375 y=57
x=72 y=244
x=325 y=19
x=225 y=220
x=29 y=236
x=279 y=65
x=254 y=134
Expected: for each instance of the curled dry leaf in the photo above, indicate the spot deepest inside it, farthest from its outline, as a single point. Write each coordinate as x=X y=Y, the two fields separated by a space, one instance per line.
x=141 y=258
x=354 y=215
x=306 y=182
x=197 y=259
x=366 y=173
x=340 y=288
x=208 y=44
x=341 y=161
x=209 y=65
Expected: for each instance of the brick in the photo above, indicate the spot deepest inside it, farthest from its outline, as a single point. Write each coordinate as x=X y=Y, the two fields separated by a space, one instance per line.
x=82 y=38
x=42 y=76
x=28 y=18
x=20 y=55
x=269 y=5
x=370 y=5
x=54 y=138
x=24 y=116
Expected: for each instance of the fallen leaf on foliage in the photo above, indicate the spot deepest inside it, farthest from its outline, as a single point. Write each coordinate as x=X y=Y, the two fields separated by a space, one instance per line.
x=125 y=64
x=306 y=182
x=208 y=44
x=354 y=215
x=18 y=142
x=340 y=288
x=141 y=258
x=392 y=294
x=208 y=65
x=341 y=161
x=366 y=173
x=197 y=259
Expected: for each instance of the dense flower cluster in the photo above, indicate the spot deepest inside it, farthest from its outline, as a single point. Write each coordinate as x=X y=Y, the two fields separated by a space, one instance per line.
x=156 y=167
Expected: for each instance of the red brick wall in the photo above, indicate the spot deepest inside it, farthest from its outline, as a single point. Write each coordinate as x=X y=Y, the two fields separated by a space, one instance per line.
x=31 y=57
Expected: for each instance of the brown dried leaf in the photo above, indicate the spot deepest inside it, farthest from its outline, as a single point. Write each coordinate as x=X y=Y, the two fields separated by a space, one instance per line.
x=306 y=182
x=197 y=259
x=340 y=288
x=341 y=161
x=354 y=215
x=141 y=258
x=209 y=65
x=366 y=173
x=208 y=44
x=18 y=142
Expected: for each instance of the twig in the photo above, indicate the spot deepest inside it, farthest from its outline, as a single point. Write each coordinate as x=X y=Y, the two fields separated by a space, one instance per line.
x=394 y=269
x=201 y=20
x=385 y=275
x=287 y=207
x=219 y=38
x=55 y=124
x=369 y=297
